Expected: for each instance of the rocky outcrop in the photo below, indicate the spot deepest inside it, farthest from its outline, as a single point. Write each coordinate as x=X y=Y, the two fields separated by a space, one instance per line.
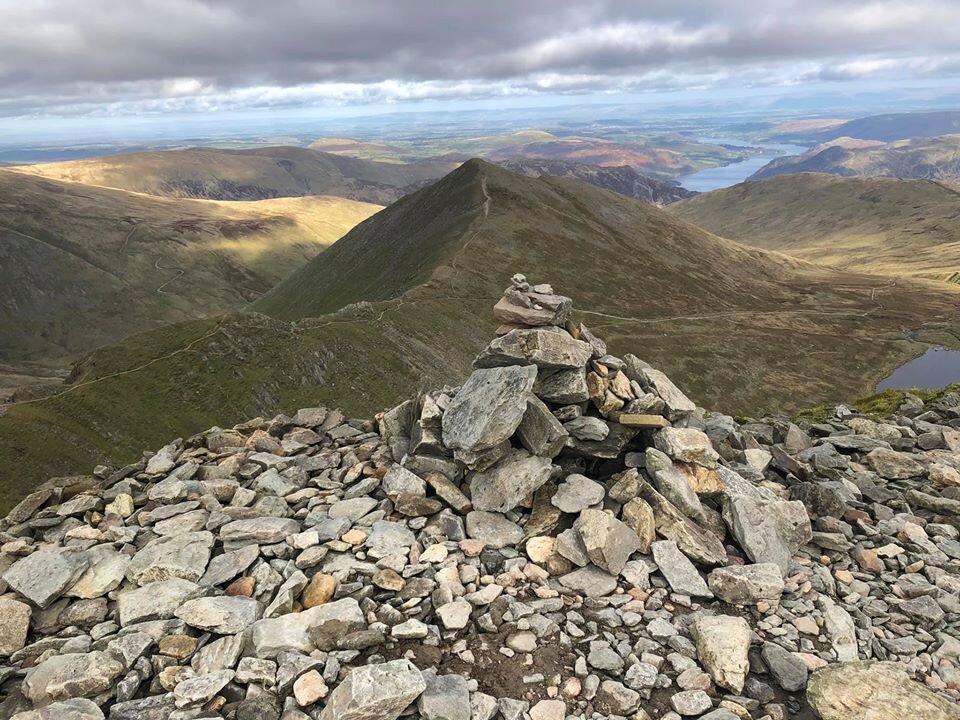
x=566 y=534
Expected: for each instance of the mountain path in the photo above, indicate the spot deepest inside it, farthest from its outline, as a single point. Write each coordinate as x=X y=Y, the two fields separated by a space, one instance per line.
x=476 y=231
x=129 y=371
x=178 y=272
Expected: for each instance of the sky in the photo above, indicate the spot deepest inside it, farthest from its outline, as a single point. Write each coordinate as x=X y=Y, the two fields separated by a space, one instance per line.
x=97 y=58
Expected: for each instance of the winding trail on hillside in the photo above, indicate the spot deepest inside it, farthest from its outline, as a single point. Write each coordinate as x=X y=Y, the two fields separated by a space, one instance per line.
x=129 y=371
x=127 y=238
x=177 y=272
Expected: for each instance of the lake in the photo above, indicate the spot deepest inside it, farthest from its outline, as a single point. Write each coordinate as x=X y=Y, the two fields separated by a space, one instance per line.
x=936 y=368
x=721 y=177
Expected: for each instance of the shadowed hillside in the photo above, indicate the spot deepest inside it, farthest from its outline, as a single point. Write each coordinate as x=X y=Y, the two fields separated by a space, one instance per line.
x=733 y=325
x=878 y=225
x=255 y=174
x=84 y=266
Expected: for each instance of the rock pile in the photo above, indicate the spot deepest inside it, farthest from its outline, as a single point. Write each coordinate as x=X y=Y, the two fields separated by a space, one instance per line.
x=566 y=535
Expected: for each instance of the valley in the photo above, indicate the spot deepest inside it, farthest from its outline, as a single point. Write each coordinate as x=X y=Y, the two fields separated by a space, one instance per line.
x=885 y=226
x=360 y=325
x=86 y=266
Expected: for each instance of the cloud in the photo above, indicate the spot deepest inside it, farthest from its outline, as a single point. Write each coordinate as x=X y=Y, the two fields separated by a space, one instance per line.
x=116 y=56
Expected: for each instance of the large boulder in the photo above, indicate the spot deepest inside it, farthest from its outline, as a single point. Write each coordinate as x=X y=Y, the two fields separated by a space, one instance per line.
x=678 y=570
x=43 y=576
x=174 y=556
x=723 y=645
x=14 y=625
x=488 y=408
x=747 y=584
x=768 y=529
x=375 y=692
x=609 y=542
x=316 y=628
x=73 y=709
x=72 y=675
x=504 y=486
x=550 y=348
x=874 y=691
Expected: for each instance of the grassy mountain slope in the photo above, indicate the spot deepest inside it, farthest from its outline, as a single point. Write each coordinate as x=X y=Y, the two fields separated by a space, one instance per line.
x=936 y=158
x=877 y=225
x=741 y=329
x=84 y=266
x=250 y=174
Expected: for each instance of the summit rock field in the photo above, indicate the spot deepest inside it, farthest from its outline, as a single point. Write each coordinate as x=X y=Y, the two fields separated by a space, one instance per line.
x=564 y=535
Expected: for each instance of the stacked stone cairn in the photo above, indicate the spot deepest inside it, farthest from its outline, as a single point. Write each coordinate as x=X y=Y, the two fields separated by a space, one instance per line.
x=565 y=535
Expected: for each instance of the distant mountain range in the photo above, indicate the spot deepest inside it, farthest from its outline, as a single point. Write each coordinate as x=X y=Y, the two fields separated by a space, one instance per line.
x=879 y=225
x=403 y=300
x=886 y=128
x=255 y=174
x=924 y=158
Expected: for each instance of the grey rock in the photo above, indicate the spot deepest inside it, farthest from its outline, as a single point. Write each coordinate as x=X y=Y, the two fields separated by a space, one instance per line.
x=768 y=530
x=893 y=465
x=746 y=584
x=259 y=530
x=201 y=689
x=564 y=387
x=840 y=629
x=874 y=691
x=678 y=570
x=687 y=445
x=388 y=538
x=690 y=702
x=155 y=601
x=400 y=481
x=493 y=529
x=446 y=697
x=316 y=628
x=222 y=615
x=375 y=692
x=695 y=542
x=539 y=431
x=352 y=509
x=723 y=644
x=577 y=493
x=488 y=408
x=609 y=542
x=105 y=572
x=73 y=675
x=619 y=699
x=224 y=568
x=678 y=405
x=182 y=556
x=549 y=348
x=787 y=669
x=43 y=576
x=590 y=581
x=672 y=483
x=587 y=427
x=73 y=709
x=505 y=485
x=14 y=625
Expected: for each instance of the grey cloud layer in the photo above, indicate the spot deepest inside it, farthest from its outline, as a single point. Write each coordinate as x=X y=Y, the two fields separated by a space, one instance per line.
x=68 y=54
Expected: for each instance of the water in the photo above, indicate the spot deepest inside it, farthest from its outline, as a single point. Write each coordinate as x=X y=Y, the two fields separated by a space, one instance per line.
x=721 y=177
x=936 y=368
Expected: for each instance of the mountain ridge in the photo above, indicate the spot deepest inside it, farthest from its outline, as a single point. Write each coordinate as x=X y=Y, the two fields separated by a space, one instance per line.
x=653 y=282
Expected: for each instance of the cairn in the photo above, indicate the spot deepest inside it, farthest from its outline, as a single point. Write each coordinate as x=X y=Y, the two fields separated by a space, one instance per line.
x=565 y=535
